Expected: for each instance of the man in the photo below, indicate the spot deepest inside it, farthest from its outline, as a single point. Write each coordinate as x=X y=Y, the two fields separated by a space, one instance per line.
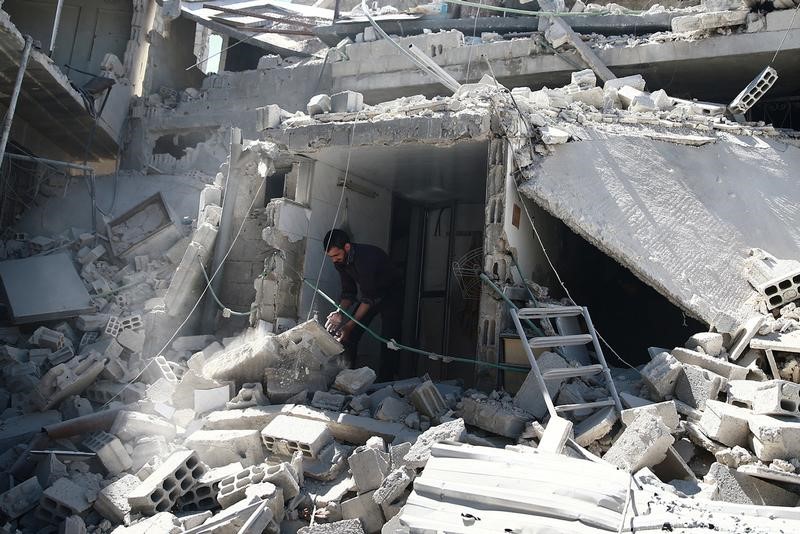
x=370 y=280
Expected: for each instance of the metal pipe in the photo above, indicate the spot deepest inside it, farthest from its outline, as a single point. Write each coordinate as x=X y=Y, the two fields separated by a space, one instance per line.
x=84 y=424
x=56 y=24
x=12 y=105
x=336 y=10
x=54 y=162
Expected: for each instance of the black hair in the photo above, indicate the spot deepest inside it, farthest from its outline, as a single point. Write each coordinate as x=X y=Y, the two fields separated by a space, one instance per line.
x=335 y=238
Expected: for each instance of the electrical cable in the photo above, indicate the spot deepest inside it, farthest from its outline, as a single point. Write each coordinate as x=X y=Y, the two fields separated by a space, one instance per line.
x=223 y=50
x=536 y=232
x=196 y=304
x=394 y=345
x=338 y=209
x=225 y=309
x=474 y=31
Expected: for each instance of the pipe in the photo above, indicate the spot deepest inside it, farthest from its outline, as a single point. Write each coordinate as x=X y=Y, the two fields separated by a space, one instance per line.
x=56 y=24
x=12 y=105
x=84 y=424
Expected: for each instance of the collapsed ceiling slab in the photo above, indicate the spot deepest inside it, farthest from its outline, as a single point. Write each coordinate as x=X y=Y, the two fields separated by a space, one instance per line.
x=220 y=16
x=49 y=103
x=681 y=218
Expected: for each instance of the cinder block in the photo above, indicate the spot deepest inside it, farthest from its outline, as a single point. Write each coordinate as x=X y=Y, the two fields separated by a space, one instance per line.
x=233 y=488
x=392 y=409
x=643 y=443
x=113 y=326
x=596 y=426
x=93 y=322
x=427 y=400
x=393 y=486
x=46 y=338
x=725 y=423
x=268 y=117
x=130 y=425
x=131 y=322
x=491 y=415
x=21 y=498
x=661 y=374
x=112 y=501
x=666 y=411
x=61 y=500
x=158 y=368
x=740 y=488
x=328 y=401
x=286 y=434
x=72 y=525
x=774 y=438
x=110 y=451
x=203 y=496
x=318 y=104
x=160 y=491
x=777 y=397
x=347 y=102
x=66 y=379
x=419 y=453
x=251 y=394
x=354 y=381
x=62 y=355
x=131 y=340
x=695 y=386
x=708 y=342
x=366 y=509
x=369 y=467
x=728 y=370
x=217 y=448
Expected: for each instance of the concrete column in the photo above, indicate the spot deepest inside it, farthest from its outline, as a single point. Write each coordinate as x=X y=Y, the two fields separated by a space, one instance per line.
x=138 y=67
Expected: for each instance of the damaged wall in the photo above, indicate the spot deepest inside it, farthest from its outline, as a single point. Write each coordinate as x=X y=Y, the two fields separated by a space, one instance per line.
x=682 y=218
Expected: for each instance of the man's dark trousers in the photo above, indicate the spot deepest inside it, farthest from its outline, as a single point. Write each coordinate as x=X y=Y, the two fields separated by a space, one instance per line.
x=392 y=363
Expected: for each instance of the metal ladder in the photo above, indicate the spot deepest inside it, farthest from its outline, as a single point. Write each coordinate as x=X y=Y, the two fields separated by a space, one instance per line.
x=530 y=314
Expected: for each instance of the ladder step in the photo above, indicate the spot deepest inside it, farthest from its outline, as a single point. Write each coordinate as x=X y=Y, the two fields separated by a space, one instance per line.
x=581 y=405
x=559 y=341
x=573 y=372
x=545 y=313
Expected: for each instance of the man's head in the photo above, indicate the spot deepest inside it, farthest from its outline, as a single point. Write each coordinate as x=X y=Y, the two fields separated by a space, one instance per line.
x=337 y=245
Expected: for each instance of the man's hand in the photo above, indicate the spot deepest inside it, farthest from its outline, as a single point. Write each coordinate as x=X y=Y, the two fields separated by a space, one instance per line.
x=334 y=322
x=344 y=332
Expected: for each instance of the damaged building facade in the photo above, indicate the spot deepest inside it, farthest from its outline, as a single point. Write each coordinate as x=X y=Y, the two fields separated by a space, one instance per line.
x=565 y=188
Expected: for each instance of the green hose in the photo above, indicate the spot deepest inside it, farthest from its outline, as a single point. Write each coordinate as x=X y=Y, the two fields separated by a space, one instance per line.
x=399 y=346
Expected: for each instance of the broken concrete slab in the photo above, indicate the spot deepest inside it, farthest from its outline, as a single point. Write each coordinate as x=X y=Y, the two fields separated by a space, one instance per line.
x=730 y=371
x=736 y=487
x=44 y=288
x=661 y=374
x=774 y=437
x=696 y=385
x=217 y=448
x=596 y=426
x=369 y=467
x=666 y=411
x=725 y=423
x=493 y=416
x=643 y=443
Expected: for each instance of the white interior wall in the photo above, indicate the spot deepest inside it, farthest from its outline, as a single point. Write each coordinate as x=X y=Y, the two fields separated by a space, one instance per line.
x=368 y=219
